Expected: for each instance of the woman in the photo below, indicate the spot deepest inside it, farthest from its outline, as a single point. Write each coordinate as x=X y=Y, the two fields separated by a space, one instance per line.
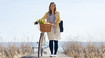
x=53 y=16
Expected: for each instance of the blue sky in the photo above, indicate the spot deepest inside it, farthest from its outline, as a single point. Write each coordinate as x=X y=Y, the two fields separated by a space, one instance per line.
x=81 y=18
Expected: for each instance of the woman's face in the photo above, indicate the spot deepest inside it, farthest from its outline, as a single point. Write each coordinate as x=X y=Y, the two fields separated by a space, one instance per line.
x=52 y=7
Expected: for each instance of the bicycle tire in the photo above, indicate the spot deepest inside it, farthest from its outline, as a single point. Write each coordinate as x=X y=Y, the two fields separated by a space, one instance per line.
x=39 y=46
x=42 y=44
x=40 y=49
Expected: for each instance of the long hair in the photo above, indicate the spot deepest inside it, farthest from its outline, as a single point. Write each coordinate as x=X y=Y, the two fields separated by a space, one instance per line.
x=50 y=11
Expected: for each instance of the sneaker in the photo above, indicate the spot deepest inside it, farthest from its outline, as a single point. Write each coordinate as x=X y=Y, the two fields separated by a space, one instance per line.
x=55 y=55
x=51 y=55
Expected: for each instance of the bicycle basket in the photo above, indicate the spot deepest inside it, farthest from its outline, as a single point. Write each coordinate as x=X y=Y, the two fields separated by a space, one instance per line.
x=45 y=27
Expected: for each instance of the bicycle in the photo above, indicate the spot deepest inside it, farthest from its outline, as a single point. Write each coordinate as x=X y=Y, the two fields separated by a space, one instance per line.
x=41 y=42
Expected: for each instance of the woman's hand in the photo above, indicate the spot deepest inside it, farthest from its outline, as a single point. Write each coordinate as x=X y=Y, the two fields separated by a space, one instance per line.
x=54 y=24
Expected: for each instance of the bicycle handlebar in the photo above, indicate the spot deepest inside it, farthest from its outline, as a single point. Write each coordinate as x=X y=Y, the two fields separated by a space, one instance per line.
x=35 y=23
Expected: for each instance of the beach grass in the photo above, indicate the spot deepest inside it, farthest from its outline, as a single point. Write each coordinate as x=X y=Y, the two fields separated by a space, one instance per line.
x=14 y=51
x=75 y=49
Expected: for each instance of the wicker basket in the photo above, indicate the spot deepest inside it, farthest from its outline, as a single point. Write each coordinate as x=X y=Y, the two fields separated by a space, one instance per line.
x=45 y=27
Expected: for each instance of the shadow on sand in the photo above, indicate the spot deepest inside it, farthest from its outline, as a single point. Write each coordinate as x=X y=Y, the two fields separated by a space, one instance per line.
x=29 y=57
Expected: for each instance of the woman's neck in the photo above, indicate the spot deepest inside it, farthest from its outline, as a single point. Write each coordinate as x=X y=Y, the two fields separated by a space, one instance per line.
x=53 y=11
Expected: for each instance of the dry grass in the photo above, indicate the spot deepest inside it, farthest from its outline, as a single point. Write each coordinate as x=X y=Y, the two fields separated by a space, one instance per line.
x=14 y=51
x=77 y=50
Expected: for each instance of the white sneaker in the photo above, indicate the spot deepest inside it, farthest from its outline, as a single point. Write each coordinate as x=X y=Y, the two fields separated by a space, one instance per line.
x=55 y=55
x=51 y=55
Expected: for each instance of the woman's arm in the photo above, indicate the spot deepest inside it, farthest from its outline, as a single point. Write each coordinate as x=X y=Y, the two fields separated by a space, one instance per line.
x=45 y=16
x=58 y=18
